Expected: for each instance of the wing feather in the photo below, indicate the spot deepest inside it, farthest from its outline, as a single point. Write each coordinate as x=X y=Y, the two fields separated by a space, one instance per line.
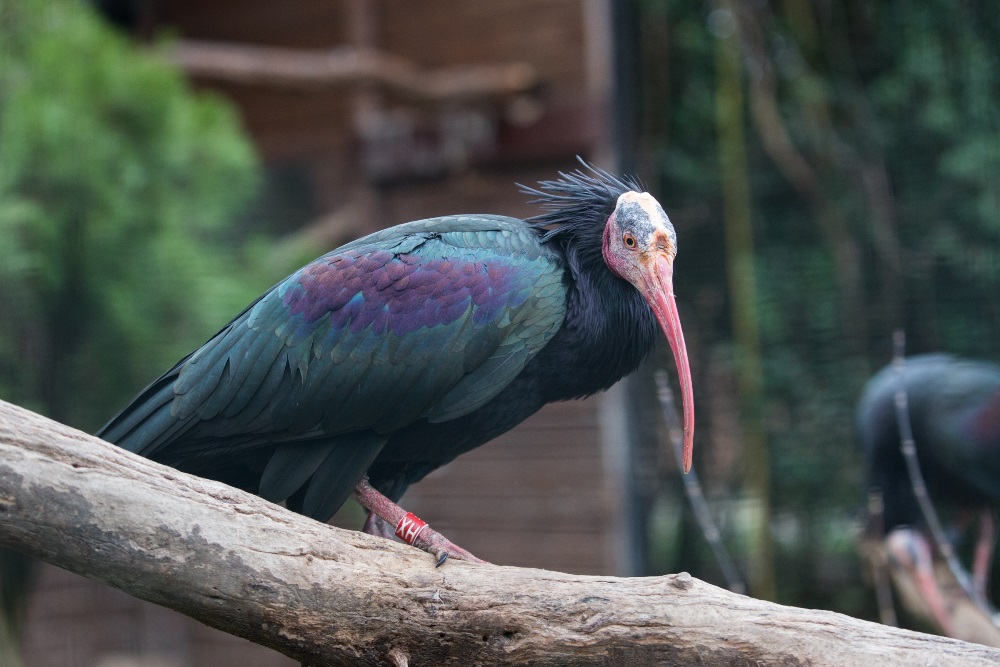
x=428 y=320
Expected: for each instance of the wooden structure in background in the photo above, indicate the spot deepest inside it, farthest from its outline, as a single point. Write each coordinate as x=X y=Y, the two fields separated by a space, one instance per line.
x=379 y=112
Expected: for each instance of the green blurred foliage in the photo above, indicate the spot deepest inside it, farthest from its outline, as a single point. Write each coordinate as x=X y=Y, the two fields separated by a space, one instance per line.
x=894 y=108
x=118 y=185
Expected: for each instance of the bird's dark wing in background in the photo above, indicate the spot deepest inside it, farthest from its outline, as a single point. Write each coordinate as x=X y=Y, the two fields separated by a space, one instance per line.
x=960 y=423
x=427 y=320
x=954 y=409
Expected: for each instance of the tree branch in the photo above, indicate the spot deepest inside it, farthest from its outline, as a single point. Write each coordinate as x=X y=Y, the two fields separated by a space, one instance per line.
x=335 y=597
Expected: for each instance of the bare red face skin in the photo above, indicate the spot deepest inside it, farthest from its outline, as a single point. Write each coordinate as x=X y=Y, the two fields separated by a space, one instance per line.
x=640 y=246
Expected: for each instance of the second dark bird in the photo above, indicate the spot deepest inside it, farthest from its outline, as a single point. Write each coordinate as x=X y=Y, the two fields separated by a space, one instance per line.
x=954 y=409
x=388 y=357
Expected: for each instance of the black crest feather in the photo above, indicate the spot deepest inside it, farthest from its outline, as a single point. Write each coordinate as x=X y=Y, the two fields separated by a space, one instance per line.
x=577 y=199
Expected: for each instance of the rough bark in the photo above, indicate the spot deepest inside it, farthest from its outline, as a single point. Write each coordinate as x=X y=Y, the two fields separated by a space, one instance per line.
x=334 y=597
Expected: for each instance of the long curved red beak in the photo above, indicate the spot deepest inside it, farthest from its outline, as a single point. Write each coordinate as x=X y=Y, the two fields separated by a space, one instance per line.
x=660 y=295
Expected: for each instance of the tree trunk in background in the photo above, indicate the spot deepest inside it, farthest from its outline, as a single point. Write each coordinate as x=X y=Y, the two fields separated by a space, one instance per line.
x=743 y=292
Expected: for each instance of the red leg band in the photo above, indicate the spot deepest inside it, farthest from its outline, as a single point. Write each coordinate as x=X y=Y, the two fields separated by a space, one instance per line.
x=410 y=527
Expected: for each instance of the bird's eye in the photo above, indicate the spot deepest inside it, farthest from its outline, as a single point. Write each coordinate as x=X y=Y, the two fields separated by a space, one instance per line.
x=629 y=240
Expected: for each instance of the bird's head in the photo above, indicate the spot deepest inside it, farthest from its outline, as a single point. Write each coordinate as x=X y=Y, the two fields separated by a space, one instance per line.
x=639 y=246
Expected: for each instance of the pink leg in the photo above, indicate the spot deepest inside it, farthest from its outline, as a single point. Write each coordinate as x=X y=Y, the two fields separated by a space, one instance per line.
x=409 y=527
x=376 y=525
x=910 y=550
x=983 y=559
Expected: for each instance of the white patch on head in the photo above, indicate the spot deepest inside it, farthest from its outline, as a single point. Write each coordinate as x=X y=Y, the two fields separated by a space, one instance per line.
x=645 y=201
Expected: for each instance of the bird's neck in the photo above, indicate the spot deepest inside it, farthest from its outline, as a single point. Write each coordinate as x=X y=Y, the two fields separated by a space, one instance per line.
x=609 y=329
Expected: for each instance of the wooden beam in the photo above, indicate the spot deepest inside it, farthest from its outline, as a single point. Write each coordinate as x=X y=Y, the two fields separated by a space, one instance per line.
x=344 y=66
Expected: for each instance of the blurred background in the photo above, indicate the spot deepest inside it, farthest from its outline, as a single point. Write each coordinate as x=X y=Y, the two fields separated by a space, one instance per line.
x=831 y=167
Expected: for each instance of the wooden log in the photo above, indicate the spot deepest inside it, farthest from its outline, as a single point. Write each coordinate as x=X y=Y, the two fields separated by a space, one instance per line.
x=333 y=597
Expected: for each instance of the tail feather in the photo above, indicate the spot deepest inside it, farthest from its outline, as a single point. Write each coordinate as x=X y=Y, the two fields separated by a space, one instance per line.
x=332 y=483
x=290 y=467
x=319 y=474
x=142 y=420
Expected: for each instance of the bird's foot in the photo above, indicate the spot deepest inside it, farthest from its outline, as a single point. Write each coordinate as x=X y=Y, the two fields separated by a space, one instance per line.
x=982 y=562
x=442 y=548
x=910 y=550
x=384 y=514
